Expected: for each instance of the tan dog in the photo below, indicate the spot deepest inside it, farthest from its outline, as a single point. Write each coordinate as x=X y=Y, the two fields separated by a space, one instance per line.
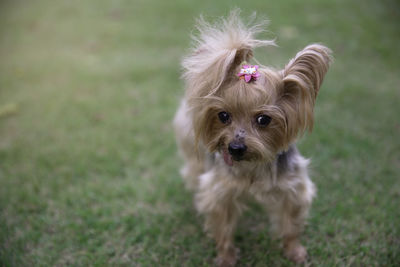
x=237 y=136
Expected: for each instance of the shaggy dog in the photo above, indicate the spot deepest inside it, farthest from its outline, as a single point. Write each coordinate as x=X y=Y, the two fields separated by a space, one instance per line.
x=237 y=127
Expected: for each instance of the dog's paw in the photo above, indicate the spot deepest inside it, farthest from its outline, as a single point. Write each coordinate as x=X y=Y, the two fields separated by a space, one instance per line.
x=296 y=253
x=227 y=259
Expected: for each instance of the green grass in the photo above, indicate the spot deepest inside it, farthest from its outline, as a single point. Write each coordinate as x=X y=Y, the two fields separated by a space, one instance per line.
x=88 y=163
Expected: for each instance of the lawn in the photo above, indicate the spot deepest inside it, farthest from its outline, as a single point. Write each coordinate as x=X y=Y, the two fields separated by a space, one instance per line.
x=88 y=163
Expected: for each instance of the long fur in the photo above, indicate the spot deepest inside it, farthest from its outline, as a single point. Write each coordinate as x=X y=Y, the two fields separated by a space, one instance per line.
x=215 y=49
x=272 y=170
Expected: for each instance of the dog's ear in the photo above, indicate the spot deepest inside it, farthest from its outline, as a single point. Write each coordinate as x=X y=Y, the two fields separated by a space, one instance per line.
x=218 y=50
x=302 y=78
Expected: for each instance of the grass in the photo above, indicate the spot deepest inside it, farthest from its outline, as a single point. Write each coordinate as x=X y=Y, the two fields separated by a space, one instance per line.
x=88 y=164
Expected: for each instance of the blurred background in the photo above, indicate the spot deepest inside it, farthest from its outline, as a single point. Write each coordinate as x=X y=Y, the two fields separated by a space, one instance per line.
x=88 y=163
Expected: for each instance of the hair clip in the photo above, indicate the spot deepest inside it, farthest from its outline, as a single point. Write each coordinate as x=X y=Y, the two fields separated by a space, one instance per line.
x=249 y=72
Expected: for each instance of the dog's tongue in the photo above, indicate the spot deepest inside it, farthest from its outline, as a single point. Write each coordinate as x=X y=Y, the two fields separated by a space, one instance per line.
x=228 y=158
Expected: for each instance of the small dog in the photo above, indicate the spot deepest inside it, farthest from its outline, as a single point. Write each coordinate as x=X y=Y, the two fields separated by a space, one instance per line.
x=236 y=129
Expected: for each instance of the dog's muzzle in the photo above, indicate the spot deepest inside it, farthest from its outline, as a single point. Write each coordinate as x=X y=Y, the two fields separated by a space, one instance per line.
x=237 y=150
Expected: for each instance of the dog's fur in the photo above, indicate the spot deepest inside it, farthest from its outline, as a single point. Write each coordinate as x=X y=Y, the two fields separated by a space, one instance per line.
x=272 y=170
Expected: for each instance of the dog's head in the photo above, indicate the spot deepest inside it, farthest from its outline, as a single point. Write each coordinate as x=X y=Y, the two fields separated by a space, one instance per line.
x=250 y=120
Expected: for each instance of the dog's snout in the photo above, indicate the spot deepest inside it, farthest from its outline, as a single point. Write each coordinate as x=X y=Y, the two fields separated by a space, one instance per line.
x=240 y=134
x=237 y=149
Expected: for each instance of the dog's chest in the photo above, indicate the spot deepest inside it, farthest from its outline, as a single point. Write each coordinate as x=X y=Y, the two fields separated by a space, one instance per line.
x=257 y=179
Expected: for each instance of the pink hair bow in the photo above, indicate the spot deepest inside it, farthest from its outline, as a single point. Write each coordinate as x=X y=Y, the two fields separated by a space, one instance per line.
x=249 y=72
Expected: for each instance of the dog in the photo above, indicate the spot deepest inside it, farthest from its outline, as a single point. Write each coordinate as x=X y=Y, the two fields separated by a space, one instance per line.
x=236 y=129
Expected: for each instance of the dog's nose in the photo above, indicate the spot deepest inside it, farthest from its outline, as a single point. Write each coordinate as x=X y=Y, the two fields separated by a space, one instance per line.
x=237 y=149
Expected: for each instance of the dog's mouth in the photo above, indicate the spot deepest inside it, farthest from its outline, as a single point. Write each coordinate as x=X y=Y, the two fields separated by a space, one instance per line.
x=228 y=158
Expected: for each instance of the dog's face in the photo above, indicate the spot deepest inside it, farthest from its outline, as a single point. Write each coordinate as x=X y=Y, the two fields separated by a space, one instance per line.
x=249 y=120
x=243 y=120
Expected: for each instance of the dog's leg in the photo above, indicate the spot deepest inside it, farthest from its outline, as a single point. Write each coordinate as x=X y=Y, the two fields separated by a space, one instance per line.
x=218 y=201
x=287 y=215
x=287 y=220
x=221 y=224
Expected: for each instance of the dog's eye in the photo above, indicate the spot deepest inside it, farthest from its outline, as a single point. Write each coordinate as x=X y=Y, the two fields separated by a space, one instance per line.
x=224 y=117
x=263 y=120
